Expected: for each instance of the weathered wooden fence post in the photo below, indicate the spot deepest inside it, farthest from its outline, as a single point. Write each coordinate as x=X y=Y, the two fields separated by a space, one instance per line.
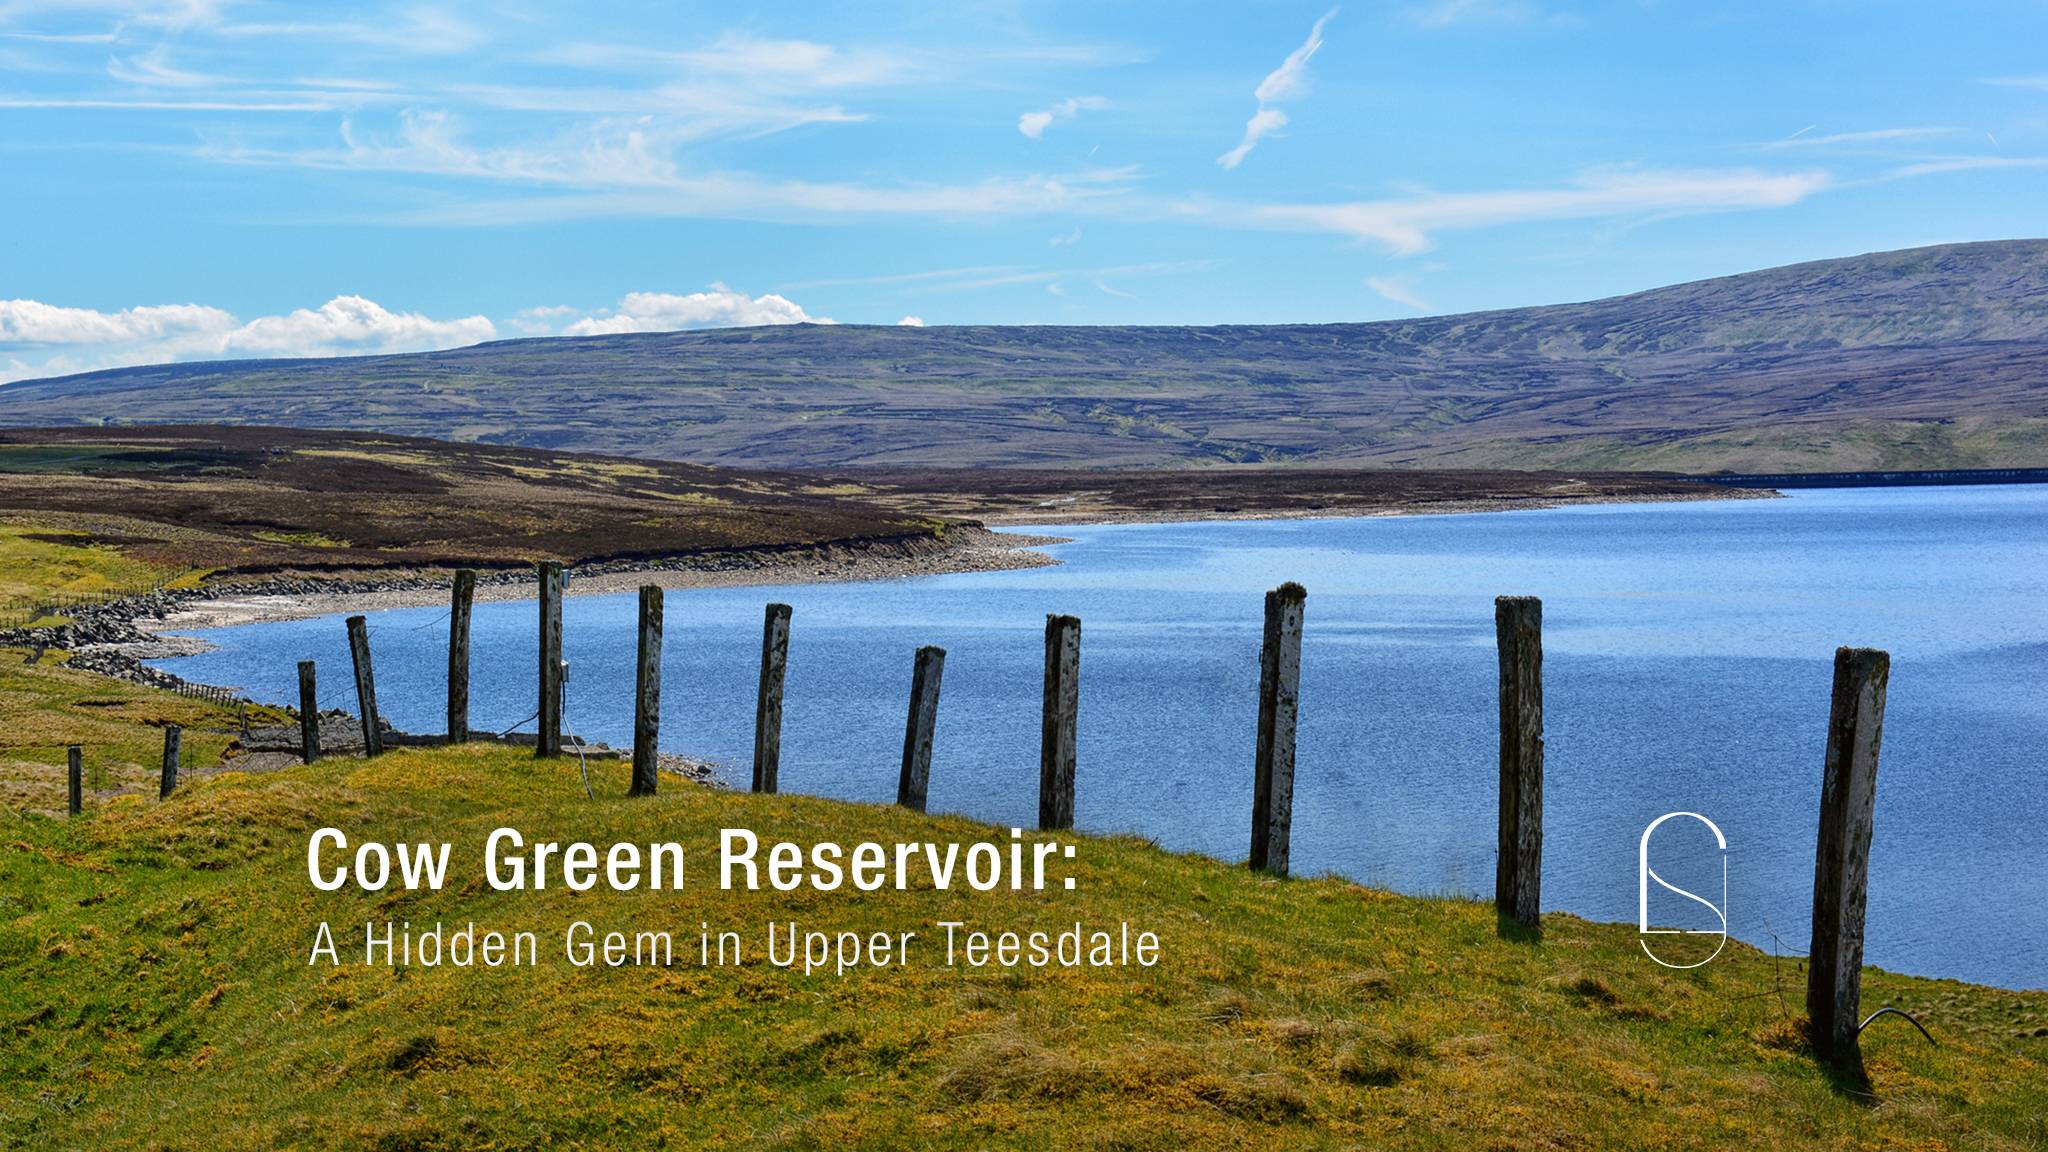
x=768 y=703
x=366 y=685
x=1841 y=865
x=174 y=738
x=549 y=742
x=1279 y=693
x=917 y=731
x=74 y=765
x=1056 y=748
x=309 y=714
x=1518 y=864
x=647 y=694
x=458 y=655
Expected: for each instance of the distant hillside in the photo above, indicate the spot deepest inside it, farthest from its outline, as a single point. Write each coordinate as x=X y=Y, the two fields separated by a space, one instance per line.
x=1931 y=357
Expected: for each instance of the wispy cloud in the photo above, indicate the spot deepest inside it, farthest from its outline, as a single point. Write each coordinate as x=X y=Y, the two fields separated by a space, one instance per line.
x=1803 y=139
x=153 y=70
x=1034 y=124
x=1406 y=225
x=1941 y=165
x=107 y=37
x=1287 y=82
x=783 y=65
x=1396 y=292
x=311 y=104
x=420 y=31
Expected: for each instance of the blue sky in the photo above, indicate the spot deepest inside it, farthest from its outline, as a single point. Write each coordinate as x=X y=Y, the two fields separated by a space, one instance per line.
x=210 y=178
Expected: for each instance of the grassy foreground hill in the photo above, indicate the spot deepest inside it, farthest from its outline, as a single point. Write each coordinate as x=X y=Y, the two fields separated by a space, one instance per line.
x=158 y=995
x=1929 y=357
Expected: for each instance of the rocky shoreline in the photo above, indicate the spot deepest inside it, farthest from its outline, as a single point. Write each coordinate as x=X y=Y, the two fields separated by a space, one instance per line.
x=114 y=638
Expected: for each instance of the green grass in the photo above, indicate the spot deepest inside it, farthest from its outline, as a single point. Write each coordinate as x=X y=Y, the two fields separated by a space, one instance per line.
x=158 y=995
x=49 y=706
x=40 y=563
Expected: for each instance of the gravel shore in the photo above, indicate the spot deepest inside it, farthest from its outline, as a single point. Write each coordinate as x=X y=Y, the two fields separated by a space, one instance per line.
x=964 y=549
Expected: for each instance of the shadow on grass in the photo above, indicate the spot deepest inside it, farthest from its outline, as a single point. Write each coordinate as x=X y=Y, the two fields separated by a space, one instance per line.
x=1517 y=932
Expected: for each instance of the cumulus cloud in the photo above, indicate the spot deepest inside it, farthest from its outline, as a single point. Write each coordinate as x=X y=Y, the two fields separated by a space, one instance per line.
x=1034 y=124
x=38 y=339
x=911 y=322
x=716 y=307
x=1287 y=82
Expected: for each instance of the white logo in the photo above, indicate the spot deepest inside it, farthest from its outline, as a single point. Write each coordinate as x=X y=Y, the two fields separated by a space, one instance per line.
x=1644 y=874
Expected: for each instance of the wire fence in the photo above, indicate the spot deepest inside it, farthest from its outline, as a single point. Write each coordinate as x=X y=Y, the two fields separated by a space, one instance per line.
x=63 y=604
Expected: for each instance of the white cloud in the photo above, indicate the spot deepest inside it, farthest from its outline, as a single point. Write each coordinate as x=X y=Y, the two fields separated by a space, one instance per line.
x=911 y=322
x=1034 y=124
x=41 y=339
x=543 y=320
x=1067 y=239
x=716 y=307
x=351 y=325
x=1942 y=165
x=1800 y=139
x=420 y=31
x=1287 y=82
x=1405 y=225
x=1396 y=292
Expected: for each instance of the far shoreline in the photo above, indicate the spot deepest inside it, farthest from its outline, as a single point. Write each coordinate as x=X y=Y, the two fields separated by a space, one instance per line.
x=1002 y=542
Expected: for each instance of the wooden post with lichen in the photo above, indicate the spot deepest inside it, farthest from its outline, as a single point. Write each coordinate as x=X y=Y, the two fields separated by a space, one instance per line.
x=917 y=730
x=1056 y=741
x=549 y=741
x=768 y=701
x=458 y=655
x=74 y=772
x=1518 y=863
x=647 y=694
x=309 y=714
x=1841 y=866
x=1279 y=695
x=174 y=737
x=366 y=685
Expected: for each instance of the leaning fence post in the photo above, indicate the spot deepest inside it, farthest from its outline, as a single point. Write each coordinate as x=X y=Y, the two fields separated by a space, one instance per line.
x=458 y=655
x=74 y=764
x=366 y=685
x=917 y=730
x=1518 y=864
x=173 y=741
x=1279 y=693
x=647 y=694
x=1056 y=752
x=309 y=714
x=768 y=703
x=1841 y=866
x=549 y=741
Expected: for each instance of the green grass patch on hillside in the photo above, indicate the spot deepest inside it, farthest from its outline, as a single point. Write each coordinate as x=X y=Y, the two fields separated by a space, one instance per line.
x=159 y=995
x=38 y=564
x=49 y=706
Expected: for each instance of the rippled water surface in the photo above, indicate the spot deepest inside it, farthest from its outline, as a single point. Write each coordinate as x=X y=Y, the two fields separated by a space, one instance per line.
x=1687 y=665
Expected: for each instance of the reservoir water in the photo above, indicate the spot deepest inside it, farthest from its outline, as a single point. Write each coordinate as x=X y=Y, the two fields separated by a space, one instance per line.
x=1687 y=667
